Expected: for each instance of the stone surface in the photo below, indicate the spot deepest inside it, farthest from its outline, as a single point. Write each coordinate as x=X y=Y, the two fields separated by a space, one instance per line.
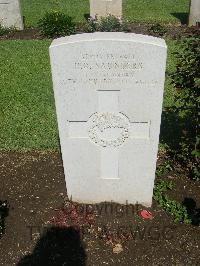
x=10 y=14
x=108 y=91
x=102 y=8
x=194 y=17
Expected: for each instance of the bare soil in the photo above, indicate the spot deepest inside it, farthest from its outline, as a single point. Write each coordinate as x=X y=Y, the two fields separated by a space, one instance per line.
x=44 y=228
x=171 y=31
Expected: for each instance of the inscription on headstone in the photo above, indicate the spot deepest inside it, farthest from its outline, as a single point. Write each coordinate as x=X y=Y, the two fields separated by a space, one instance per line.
x=108 y=91
x=10 y=14
x=102 y=8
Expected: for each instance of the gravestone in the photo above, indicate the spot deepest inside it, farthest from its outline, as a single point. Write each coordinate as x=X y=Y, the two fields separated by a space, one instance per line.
x=194 y=17
x=102 y=8
x=10 y=14
x=108 y=90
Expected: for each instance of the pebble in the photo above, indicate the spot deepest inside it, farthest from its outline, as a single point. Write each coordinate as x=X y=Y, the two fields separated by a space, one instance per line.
x=117 y=249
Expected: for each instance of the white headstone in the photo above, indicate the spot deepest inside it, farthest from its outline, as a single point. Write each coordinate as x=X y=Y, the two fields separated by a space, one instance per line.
x=10 y=14
x=102 y=8
x=108 y=91
x=194 y=17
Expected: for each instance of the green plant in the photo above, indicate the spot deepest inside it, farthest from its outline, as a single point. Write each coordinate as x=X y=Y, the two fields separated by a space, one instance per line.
x=106 y=24
x=91 y=25
x=174 y=208
x=109 y=23
x=56 y=24
x=3 y=213
x=5 y=30
x=186 y=79
x=158 y=29
x=195 y=169
x=163 y=169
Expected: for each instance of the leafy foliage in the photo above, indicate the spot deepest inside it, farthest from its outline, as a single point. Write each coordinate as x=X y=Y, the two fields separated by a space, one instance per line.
x=163 y=169
x=91 y=25
x=56 y=24
x=109 y=23
x=5 y=30
x=3 y=214
x=158 y=29
x=186 y=79
x=176 y=209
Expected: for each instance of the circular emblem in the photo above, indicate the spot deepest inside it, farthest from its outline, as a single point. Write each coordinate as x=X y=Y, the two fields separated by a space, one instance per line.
x=108 y=129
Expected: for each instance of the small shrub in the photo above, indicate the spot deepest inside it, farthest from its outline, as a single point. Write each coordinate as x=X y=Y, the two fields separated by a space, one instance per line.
x=4 y=30
x=158 y=29
x=91 y=25
x=174 y=208
x=3 y=213
x=195 y=169
x=112 y=23
x=186 y=79
x=163 y=169
x=56 y=24
x=109 y=23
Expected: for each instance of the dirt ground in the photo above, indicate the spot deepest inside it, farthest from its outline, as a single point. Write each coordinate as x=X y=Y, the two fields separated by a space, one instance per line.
x=44 y=228
x=170 y=31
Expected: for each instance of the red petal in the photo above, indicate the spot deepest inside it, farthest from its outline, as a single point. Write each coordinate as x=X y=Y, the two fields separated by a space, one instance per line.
x=146 y=214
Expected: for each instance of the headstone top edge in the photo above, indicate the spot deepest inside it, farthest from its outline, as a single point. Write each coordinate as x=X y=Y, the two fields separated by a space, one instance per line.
x=118 y=36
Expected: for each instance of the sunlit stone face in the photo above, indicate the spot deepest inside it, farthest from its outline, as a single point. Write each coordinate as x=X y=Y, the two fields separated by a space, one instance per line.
x=108 y=91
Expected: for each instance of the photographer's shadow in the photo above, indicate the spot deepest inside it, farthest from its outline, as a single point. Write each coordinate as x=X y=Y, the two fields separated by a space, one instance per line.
x=57 y=247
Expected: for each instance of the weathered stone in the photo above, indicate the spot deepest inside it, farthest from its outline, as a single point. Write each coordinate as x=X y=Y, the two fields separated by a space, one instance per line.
x=194 y=17
x=108 y=91
x=10 y=14
x=102 y=8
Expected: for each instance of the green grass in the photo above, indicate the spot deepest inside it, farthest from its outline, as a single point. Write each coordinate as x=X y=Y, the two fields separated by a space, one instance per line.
x=27 y=114
x=33 y=10
x=27 y=111
x=169 y=92
x=163 y=11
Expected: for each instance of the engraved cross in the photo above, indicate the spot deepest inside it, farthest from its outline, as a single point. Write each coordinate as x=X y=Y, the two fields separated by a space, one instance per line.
x=108 y=129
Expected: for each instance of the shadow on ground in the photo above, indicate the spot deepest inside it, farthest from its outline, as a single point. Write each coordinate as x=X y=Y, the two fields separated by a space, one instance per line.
x=56 y=247
x=4 y=212
x=192 y=210
x=174 y=128
x=171 y=129
x=183 y=17
x=86 y=16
